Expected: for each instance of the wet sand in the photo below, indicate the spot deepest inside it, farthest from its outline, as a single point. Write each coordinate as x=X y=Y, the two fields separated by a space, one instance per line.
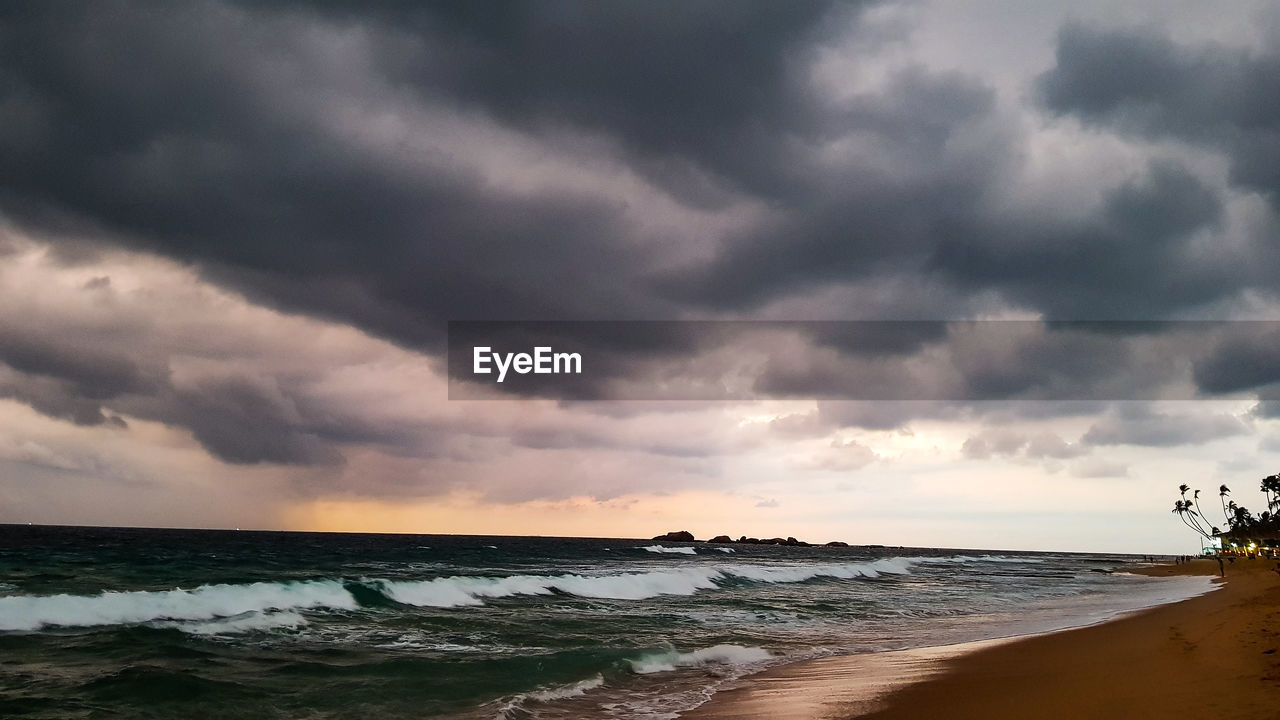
x=1210 y=656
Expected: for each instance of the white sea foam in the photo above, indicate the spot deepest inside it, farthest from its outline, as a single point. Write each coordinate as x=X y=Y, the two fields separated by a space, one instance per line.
x=461 y=591
x=717 y=655
x=801 y=573
x=984 y=558
x=566 y=691
x=240 y=623
x=514 y=707
x=207 y=602
x=673 y=550
x=725 y=550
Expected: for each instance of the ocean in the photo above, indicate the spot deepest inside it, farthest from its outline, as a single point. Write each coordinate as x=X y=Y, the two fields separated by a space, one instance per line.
x=146 y=623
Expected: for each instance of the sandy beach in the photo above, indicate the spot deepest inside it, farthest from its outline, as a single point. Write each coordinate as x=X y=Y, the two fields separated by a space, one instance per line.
x=1210 y=656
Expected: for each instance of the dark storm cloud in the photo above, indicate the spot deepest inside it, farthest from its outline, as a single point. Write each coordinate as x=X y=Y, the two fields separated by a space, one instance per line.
x=239 y=420
x=1140 y=81
x=856 y=220
x=697 y=79
x=1132 y=260
x=1247 y=358
x=189 y=129
x=66 y=377
x=57 y=399
x=94 y=376
x=243 y=423
x=1000 y=360
x=683 y=85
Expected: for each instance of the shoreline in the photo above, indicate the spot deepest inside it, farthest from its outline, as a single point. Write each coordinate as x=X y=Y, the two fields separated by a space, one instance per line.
x=1206 y=653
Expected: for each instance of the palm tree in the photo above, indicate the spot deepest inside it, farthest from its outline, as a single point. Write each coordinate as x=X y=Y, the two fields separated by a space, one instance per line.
x=1242 y=519
x=1271 y=488
x=1189 y=517
x=1223 y=492
x=1196 y=497
x=1180 y=509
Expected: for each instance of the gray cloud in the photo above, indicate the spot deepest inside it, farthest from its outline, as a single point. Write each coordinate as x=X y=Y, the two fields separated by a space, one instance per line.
x=244 y=422
x=1138 y=424
x=1052 y=446
x=1142 y=82
x=57 y=399
x=1102 y=267
x=1245 y=359
x=1009 y=442
x=176 y=130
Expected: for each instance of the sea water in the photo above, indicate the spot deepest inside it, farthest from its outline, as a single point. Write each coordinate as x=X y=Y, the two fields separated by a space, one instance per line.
x=100 y=622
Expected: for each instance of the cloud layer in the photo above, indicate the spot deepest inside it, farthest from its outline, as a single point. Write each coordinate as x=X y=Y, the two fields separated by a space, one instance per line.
x=242 y=227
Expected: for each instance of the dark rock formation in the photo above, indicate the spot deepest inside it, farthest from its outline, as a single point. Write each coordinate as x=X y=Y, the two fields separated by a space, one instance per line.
x=677 y=536
x=789 y=541
x=721 y=539
x=837 y=543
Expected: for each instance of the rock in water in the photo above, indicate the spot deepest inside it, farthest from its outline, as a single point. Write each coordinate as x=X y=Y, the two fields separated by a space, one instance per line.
x=677 y=536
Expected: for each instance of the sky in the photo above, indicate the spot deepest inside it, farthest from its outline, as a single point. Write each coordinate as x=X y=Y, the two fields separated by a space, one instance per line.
x=232 y=235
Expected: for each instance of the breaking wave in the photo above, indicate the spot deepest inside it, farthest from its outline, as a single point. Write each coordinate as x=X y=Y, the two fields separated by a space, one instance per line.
x=461 y=591
x=247 y=622
x=967 y=559
x=207 y=602
x=673 y=550
x=567 y=691
x=514 y=707
x=717 y=655
x=217 y=609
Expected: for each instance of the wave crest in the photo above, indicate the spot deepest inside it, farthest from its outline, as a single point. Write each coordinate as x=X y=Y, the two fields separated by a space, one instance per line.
x=671 y=550
x=207 y=602
x=461 y=591
x=717 y=655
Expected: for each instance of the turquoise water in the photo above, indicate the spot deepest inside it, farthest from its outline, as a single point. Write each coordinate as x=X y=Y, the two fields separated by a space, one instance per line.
x=98 y=622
